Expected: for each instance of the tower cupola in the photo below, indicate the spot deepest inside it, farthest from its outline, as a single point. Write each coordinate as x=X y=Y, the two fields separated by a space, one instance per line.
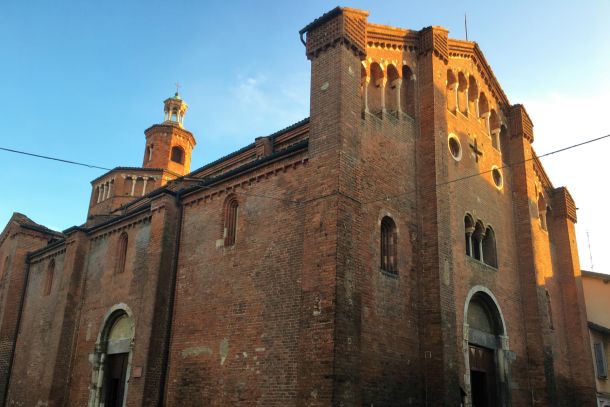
x=169 y=144
x=175 y=109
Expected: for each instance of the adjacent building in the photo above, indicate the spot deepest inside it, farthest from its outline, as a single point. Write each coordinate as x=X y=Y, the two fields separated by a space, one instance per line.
x=597 y=298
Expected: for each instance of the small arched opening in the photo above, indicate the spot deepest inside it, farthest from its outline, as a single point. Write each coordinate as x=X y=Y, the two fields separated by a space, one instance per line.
x=494 y=129
x=375 y=89
x=451 y=91
x=392 y=89
x=112 y=358
x=486 y=350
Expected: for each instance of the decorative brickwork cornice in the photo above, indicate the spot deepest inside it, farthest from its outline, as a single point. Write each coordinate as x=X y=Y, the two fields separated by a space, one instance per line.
x=434 y=39
x=343 y=26
x=471 y=50
x=520 y=123
x=387 y=37
x=563 y=204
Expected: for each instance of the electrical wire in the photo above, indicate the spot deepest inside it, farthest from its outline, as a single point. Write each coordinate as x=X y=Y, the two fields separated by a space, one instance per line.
x=53 y=158
x=385 y=198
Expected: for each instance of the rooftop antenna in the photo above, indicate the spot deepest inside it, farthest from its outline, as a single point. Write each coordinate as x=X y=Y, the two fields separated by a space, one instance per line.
x=590 y=254
x=466 y=26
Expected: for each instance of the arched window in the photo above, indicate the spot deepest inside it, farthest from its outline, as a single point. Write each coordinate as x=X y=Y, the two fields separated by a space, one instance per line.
x=468 y=231
x=230 y=220
x=375 y=92
x=490 y=255
x=473 y=96
x=451 y=91
x=177 y=155
x=542 y=211
x=48 y=282
x=392 y=89
x=462 y=97
x=121 y=255
x=388 y=245
x=407 y=91
x=477 y=241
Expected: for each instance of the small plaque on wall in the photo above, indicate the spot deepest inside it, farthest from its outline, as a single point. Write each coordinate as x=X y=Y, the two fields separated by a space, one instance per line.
x=137 y=371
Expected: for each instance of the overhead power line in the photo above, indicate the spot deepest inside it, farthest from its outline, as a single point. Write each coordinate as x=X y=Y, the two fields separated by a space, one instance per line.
x=54 y=158
x=385 y=198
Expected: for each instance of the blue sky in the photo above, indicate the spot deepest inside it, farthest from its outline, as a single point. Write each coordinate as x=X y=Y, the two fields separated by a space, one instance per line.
x=82 y=80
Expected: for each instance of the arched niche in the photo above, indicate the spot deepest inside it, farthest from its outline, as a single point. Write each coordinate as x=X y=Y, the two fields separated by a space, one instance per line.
x=462 y=93
x=451 y=91
x=111 y=360
x=375 y=89
x=407 y=91
x=473 y=96
x=392 y=89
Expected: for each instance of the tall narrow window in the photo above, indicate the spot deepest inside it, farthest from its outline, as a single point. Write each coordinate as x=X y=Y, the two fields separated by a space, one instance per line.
x=388 y=245
x=601 y=365
x=121 y=256
x=392 y=89
x=489 y=248
x=48 y=283
x=230 y=221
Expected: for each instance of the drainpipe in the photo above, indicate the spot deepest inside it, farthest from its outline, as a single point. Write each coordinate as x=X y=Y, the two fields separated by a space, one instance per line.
x=18 y=328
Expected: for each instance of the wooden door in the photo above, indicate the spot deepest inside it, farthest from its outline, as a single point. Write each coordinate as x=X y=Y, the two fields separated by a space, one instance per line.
x=115 y=377
x=483 y=383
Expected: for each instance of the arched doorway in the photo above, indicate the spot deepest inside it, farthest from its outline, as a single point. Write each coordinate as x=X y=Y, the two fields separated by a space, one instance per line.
x=112 y=359
x=486 y=351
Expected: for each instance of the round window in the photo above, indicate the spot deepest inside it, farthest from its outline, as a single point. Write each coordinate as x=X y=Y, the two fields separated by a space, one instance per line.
x=455 y=148
x=496 y=174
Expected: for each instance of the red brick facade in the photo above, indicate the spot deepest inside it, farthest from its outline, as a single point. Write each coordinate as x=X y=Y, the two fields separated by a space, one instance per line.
x=262 y=279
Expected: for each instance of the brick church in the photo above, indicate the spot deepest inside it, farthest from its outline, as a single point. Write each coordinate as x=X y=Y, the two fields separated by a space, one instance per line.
x=401 y=246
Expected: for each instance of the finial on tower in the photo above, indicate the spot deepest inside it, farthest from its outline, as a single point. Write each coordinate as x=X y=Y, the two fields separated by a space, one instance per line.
x=175 y=109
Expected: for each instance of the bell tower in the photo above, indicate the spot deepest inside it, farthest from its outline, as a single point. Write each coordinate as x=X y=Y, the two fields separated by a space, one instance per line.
x=169 y=144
